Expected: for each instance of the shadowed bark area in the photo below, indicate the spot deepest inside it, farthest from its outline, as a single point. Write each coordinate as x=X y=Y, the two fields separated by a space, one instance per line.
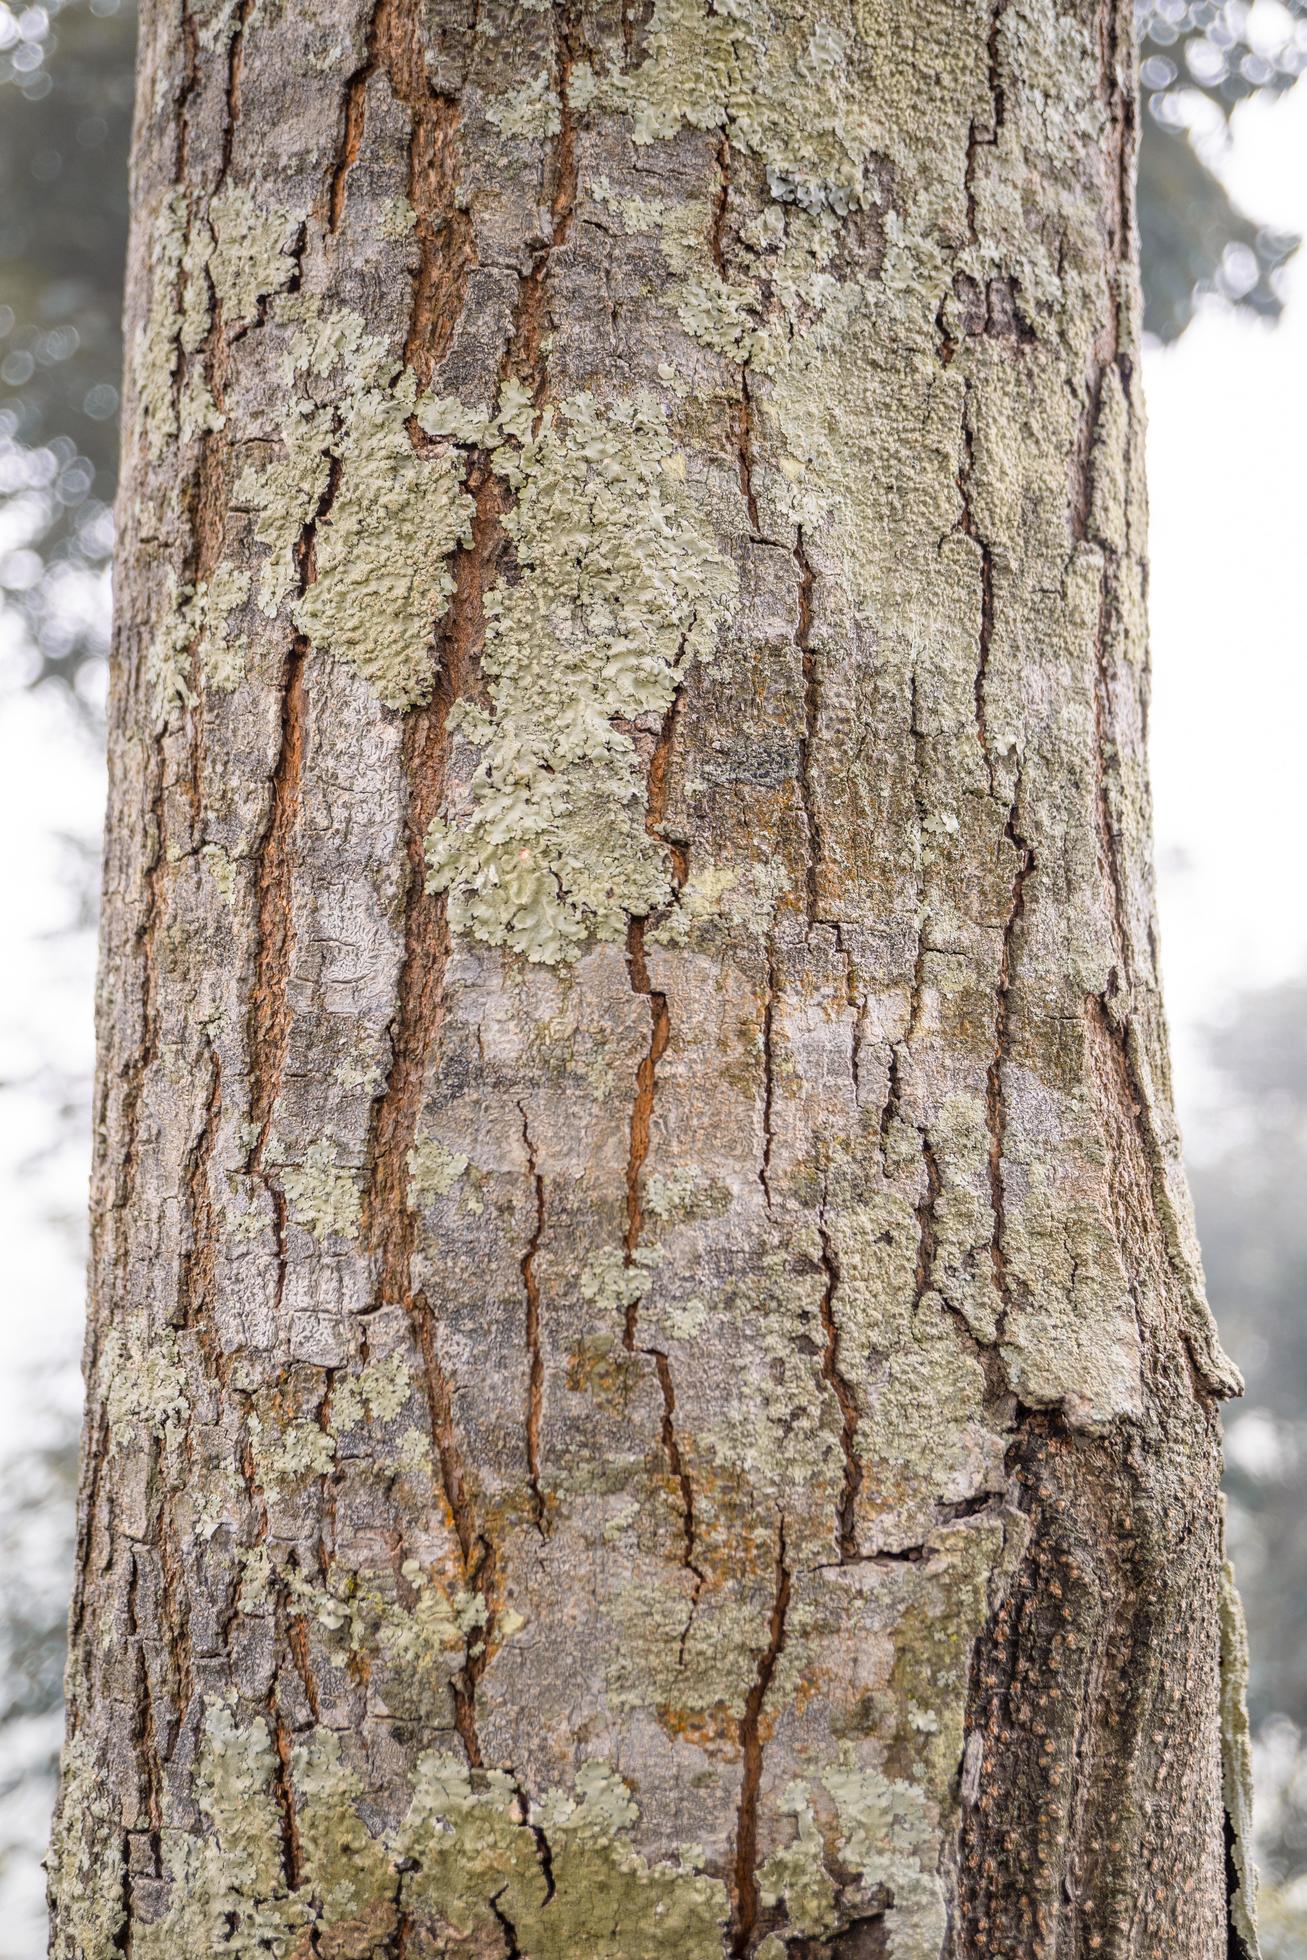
x=650 y=1392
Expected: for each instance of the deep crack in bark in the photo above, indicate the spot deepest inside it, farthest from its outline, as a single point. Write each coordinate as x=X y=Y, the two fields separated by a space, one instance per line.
x=811 y=706
x=745 y=1901
x=535 y=1361
x=839 y=1386
x=995 y=1099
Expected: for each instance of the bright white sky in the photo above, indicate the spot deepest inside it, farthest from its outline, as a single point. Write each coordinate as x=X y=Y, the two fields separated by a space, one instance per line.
x=1227 y=412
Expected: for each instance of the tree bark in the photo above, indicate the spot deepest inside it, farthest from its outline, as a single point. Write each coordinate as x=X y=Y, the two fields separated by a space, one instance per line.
x=650 y=1391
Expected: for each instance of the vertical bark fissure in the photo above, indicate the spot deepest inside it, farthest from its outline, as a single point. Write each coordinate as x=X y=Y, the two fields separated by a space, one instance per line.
x=535 y=1359
x=353 y=114
x=446 y=248
x=995 y=1093
x=1107 y=836
x=1082 y=533
x=641 y=1122
x=856 y=1002
x=768 y=1071
x=918 y=738
x=268 y=1025
x=445 y=255
x=811 y=711
x=985 y=137
x=745 y=1899
x=512 y=1951
x=744 y=457
x=892 y=1107
x=967 y=525
x=640 y=1133
x=925 y=1210
x=269 y=1020
x=525 y=354
x=442 y=228
x=838 y=1383
x=543 y=1848
x=190 y=40
x=232 y=92
x=283 y=1785
x=297 y=1639
x=685 y=1491
x=389 y=1220
x=641 y=1108
x=148 y=1752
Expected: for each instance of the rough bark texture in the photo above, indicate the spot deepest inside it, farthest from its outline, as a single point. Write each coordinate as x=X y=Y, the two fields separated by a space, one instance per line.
x=650 y=1388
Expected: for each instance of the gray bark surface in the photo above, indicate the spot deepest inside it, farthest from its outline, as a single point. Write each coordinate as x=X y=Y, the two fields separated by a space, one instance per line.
x=650 y=1391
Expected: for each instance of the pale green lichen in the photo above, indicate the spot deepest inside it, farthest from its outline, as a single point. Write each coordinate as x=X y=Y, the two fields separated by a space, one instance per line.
x=323 y=339
x=146 y=1384
x=338 y=1608
x=445 y=415
x=620 y=586
x=197 y=412
x=249 y=259
x=242 y=1225
x=155 y=353
x=413 y=1456
x=715 y=310
x=611 y=1280
x=430 y=1638
x=197 y=622
x=359 y=1072
x=741 y=896
x=323 y=1196
x=786 y=91
x=215 y=20
x=83 y=1862
x=221 y=869
x=530 y=113
x=228 y=1891
x=290 y=1454
x=285 y=493
x=698 y=1665
x=685 y=1194
x=166 y=660
x=473 y=1844
x=890 y=1837
x=222 y=656
x=796 y=1875
x=378 y=1392
x=433 y=1170
x=684 y=1320
x=383 y=554
x=462 y=1861
x=397 y=218
x=347 y=1871
x=196 y=312
x=582 y=87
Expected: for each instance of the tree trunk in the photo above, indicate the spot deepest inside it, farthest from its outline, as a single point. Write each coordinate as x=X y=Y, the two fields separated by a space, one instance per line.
x=650 y=1392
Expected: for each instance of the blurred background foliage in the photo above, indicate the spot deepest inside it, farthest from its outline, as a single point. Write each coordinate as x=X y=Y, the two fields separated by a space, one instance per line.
x=65 y=111
x=1197 y=60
